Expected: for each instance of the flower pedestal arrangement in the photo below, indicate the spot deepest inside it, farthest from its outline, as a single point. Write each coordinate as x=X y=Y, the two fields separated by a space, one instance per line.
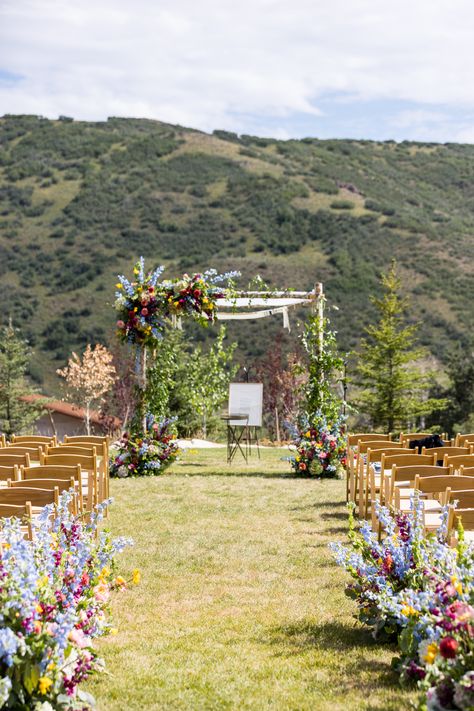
x=320 y=448
x=145 y=454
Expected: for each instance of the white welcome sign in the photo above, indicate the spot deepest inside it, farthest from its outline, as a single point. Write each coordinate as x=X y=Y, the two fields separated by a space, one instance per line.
x=246 y=399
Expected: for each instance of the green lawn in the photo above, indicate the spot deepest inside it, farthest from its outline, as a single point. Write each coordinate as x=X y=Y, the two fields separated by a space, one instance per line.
x=240 y=606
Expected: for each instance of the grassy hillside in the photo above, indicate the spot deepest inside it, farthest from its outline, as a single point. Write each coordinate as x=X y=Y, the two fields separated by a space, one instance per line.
x=80 y=201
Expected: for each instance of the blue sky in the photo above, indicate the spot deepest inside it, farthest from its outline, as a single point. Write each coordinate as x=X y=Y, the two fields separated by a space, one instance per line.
x=325 y=68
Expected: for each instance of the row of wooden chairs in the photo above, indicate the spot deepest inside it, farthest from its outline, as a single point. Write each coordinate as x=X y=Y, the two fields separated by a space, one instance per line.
x=381 y=469
x=34 y=471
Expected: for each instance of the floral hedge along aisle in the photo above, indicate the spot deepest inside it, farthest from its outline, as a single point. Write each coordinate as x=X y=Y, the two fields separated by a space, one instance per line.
x=54 y=598
x=319 y=436
x=146 y=308
x=419 y=591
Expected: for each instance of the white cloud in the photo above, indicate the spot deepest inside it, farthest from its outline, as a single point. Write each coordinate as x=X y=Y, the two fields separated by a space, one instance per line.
x=212 y=63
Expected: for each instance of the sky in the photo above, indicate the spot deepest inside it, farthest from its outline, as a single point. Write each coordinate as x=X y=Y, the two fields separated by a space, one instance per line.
x=372 y=69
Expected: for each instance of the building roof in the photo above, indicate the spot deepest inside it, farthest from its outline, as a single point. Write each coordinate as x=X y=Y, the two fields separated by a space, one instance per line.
x=69 y=408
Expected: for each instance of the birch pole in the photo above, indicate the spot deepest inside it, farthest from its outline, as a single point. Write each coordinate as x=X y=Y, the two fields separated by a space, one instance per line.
x=142 y=385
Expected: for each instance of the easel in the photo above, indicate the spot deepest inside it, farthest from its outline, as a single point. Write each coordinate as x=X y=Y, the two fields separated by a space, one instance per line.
x=235 y=435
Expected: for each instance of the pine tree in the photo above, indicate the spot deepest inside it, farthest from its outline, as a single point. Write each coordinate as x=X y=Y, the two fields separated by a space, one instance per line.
x=16 y=414
x=394 y=389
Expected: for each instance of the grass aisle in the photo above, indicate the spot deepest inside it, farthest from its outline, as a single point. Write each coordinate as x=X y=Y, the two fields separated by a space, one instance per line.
x=241 y=605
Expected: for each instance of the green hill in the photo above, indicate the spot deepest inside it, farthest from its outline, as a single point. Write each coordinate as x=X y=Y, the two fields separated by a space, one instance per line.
x=80 y=201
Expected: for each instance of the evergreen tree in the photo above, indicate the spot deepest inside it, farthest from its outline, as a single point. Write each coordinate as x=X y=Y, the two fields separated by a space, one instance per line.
x=394 y=389
x=16 y=414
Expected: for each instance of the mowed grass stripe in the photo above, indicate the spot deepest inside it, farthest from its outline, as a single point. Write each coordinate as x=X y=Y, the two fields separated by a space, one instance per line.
x=240 y=605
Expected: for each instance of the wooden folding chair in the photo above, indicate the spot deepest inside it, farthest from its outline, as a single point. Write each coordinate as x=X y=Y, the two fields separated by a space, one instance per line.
x=60 y=473
x=458 y=460
x=3 y=441
x=52 y=484
x=466 y=471
x=401 y=483
x=352 y=440
x=88 y=466
x=373 y=478
x=367 y=450
x=439 y=488
x=98 y=441
x=461 y=439
x=359 y=464
x=400 y=458
x=22 y=511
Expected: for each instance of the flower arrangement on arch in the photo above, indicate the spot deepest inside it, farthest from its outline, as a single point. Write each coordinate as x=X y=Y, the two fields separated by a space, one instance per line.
x=417 y=589
x=53 y=604
x=320 y=447
x=145 y=303
x=140 y=307
x=145 y=455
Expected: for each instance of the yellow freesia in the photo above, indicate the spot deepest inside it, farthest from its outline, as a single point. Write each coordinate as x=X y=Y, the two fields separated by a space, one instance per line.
x=431 y=652
x=44 y=685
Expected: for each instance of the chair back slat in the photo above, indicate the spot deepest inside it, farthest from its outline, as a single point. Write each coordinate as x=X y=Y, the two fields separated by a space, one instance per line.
x=404 y=459
x=459 y=460
x=33 y=452
x=362 y=447
x=438 y=484
x=9 y=472
x=37 y=497
x=86 y=462
x=39 y=439
x=461 y=439
x=464 y=497
x=6 y=460
x=352 y=439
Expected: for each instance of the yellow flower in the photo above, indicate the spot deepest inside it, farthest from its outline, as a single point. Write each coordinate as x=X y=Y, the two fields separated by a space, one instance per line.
x=104 y=574
x=118 y=286
x=457 y=584
x=297 y=457
x=409 y=611
x=308 y=434
x=136 y=577
x=136 y=270
x=44 y=685
x=120 y=581
x=431 y=652
x=113 y=631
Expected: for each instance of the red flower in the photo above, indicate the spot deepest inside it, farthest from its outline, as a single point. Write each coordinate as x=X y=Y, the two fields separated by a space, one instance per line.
x=302 y=466
x=120 y=324
x=196 y=293
x=144 y=312
x=448 y=647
